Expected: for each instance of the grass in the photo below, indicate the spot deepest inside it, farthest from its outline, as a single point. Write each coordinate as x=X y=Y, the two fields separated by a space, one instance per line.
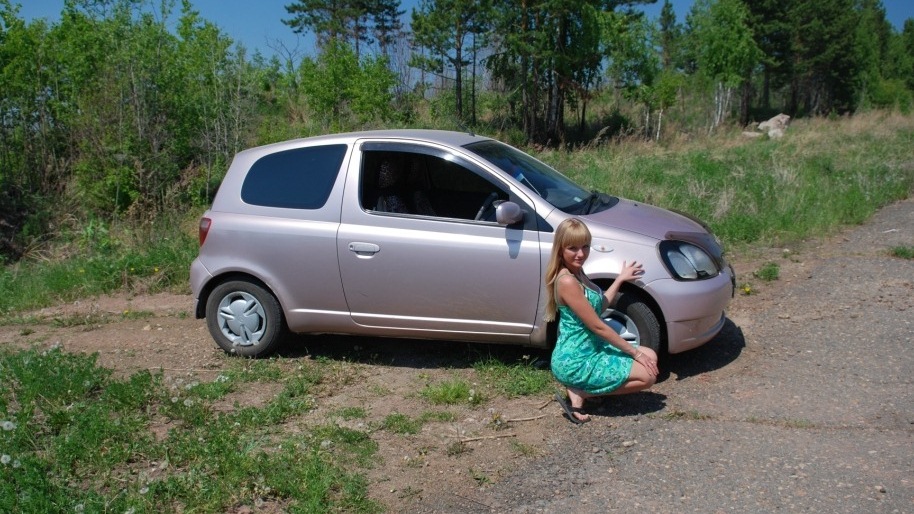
x=157 y=262
x=823 y=175
x=826 y=173
x=769 y=272
x=452 y=392
x=902 y=252
x=517 y=379
x=75 y=439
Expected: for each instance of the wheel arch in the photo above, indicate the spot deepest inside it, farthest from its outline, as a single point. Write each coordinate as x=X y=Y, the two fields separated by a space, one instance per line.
x=631 y=289
x=200 y=310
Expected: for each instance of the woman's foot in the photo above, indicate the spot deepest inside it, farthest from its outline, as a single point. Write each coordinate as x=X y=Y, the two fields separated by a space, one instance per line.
x=577 y=404
x=578 y=412
x=573 y=406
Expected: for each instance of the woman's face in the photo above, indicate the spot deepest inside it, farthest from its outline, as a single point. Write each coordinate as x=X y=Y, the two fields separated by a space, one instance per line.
x=575 y=255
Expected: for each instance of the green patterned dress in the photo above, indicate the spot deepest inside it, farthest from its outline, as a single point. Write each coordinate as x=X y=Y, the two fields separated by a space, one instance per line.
x=581 y=359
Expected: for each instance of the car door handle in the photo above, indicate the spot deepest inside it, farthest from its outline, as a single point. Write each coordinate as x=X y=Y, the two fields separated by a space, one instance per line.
x=364 y=249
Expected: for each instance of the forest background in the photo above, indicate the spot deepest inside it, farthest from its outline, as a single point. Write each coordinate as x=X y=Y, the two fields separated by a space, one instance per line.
x=124 y=114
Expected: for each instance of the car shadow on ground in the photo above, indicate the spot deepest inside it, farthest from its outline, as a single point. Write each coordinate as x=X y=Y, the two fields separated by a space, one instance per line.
x=717 y=353
x=409 y=353
x=427 y=354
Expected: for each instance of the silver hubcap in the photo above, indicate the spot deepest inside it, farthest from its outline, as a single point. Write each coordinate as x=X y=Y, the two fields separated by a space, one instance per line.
x=622 y=325
x=242 y=319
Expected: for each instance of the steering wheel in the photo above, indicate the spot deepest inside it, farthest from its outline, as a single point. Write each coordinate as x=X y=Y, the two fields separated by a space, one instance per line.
x=486 y=205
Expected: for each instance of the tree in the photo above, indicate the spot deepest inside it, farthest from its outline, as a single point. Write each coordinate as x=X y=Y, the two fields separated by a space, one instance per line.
x=349 y=21
x=338 y=86
x=769 y=22
x=824 y=61
x=447 y=29
x=636 y=67
x=670 y=38
x=906 y=47
x=723 y=48
x=545 y=55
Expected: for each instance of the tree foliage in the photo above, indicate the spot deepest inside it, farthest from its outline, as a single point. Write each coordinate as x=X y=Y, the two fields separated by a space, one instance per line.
x=125 y=108
x=446 y=32
x=353 y=22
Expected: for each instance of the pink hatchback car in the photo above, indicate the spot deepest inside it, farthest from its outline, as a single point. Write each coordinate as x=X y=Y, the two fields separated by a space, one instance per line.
x=433 y=235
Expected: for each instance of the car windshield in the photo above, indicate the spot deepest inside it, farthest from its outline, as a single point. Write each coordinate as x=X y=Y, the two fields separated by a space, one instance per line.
x=548 y=183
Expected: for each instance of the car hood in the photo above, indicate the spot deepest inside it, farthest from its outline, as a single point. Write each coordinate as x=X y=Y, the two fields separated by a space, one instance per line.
x=646 y=220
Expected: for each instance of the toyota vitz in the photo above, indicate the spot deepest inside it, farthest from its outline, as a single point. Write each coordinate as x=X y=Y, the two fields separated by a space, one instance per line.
x=434 y=235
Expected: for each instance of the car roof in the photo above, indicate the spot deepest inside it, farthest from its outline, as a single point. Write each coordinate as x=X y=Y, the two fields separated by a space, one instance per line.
x=446 y=137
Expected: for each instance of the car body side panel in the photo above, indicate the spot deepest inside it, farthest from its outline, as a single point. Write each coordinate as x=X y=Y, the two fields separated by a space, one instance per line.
x=311 y=297
x=438 y=274
x=455 y=276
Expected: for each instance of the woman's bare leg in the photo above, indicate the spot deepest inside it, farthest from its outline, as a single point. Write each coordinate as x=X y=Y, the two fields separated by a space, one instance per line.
x=639 y=378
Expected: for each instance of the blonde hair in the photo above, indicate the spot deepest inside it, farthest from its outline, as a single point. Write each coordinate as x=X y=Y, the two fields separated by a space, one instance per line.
x=571 y=232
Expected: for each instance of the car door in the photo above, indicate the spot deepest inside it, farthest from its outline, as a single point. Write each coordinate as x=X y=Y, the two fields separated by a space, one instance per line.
x=442 y=271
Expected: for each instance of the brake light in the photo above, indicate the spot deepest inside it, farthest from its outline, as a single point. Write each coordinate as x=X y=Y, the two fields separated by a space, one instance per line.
x=205 y=223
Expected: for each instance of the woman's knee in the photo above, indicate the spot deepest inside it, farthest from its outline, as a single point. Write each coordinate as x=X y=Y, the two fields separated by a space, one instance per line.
x=640 y=374
x=649 y=352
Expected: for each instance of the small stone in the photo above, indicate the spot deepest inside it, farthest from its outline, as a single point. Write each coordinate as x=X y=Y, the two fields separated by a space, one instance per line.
x=880 y=489
x=629 y=444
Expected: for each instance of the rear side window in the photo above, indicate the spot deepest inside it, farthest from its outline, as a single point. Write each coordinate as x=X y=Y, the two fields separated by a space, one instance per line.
x=294 y=179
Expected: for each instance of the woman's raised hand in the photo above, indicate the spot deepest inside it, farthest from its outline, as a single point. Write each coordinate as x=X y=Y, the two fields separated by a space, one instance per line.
x=630 y=271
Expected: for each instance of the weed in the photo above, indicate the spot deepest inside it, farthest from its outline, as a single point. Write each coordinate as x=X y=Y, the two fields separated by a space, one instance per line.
x=456 y=449
x=439 y=416
x=409 y=492
x=690 y=415
x=517 y=379
x=903 y=252
x=523 y=449
x=451 y=393
x=799 y=423
x=401 y=424
x=480 y=477
x=135 y=315
x=352 y=413
x=769 y=272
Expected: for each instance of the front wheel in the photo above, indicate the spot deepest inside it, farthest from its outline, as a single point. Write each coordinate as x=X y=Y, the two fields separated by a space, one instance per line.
x=244 y=319
x=634 y=320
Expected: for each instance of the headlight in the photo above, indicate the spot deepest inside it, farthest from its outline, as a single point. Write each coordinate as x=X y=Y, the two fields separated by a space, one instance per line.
x=687 y=261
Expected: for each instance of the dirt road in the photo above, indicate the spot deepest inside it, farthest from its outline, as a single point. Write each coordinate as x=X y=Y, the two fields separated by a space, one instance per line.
x=803 y=404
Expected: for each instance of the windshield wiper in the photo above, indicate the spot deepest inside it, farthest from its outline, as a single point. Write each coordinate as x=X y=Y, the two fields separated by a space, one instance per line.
x=592 y=202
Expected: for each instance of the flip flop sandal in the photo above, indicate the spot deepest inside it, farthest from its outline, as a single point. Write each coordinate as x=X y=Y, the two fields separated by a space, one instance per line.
x=569 y=410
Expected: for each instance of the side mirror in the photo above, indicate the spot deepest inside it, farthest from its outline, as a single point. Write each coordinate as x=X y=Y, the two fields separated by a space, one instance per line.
x=508 y=213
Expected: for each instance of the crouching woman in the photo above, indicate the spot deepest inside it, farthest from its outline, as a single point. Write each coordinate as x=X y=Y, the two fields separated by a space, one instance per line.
x=590 y=359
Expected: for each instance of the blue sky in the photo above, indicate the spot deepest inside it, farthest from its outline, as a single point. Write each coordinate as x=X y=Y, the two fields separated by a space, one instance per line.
x=257 y=23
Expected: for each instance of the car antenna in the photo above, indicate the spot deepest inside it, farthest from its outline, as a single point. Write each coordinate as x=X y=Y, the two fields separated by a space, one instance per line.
x=464 y=128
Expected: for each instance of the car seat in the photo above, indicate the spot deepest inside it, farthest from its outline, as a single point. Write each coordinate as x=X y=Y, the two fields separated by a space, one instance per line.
x=391 y=188
x=399 y=193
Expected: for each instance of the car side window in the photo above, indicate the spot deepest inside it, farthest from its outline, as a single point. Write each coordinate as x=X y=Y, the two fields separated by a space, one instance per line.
x=426 y=185
x=294 y=179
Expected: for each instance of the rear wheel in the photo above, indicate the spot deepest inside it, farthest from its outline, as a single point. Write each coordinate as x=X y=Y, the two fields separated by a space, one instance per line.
x=634 y=320
x=244 y=319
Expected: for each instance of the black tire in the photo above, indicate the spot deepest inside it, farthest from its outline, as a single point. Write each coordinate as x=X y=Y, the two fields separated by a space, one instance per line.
x=245 y=319
x=634 y=320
